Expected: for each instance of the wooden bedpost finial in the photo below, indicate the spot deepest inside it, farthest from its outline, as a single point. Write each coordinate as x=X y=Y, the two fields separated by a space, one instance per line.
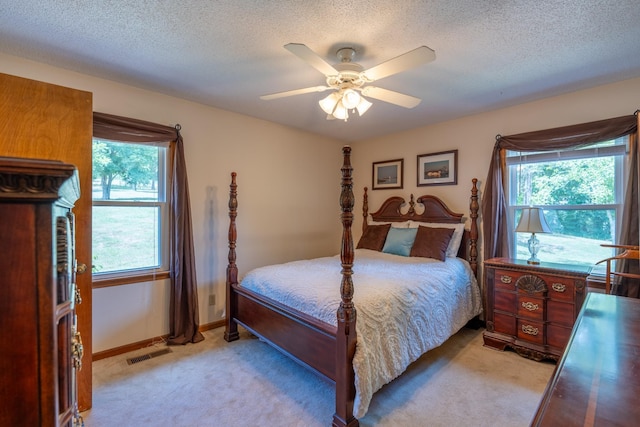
x=412 y=206
x=346 y=331
x=231 y=328
x=365 y=209
x=346 y=204
x=233 y=213
x=232 y=269
x=473 y=234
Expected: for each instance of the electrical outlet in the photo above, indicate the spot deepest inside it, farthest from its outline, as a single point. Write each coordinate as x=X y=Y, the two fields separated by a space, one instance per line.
x=212 y=300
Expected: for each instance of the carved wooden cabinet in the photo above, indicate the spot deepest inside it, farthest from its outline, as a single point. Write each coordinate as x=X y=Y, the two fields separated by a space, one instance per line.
x=41 y=348
x=532 y=308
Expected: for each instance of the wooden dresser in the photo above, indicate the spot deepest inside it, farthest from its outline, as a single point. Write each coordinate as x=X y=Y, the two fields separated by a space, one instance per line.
x=597 y=381
x=41 y=349
x=532 y=308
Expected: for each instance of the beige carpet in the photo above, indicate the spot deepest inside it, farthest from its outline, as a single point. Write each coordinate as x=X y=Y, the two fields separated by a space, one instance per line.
x=248 y=383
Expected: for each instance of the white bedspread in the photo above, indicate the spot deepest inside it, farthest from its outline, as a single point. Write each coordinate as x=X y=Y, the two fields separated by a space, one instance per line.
x=406 y=306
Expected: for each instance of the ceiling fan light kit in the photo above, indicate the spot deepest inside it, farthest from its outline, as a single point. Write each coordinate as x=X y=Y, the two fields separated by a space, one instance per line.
x=349 y=80
x=338 y=104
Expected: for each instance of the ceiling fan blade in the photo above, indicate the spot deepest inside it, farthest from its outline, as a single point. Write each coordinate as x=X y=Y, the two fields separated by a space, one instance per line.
x=390 y=96
x=294 y=92
x=306 y=54
x=408 y=60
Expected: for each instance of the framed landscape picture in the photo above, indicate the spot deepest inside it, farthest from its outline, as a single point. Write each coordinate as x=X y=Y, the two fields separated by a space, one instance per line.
x=438 y=168
x=387 y=174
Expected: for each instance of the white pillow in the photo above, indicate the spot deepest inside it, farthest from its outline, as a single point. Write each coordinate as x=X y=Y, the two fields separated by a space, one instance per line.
x=403 y=224
x=456 y=238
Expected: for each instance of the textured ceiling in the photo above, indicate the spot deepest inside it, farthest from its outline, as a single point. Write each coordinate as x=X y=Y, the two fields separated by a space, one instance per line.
x=489 y=54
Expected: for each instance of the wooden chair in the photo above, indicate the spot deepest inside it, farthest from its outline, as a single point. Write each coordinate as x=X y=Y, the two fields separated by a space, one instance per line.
x=629 y=253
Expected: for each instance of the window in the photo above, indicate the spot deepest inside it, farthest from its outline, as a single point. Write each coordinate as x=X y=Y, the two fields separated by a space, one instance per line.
x=130 y=212
x=581 y=193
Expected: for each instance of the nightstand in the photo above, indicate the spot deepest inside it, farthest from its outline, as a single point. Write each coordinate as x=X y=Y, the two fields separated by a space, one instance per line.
x=532 y=308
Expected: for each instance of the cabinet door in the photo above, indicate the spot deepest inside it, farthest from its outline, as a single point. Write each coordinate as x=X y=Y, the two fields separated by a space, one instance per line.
x=19 y=393
x=44 y=121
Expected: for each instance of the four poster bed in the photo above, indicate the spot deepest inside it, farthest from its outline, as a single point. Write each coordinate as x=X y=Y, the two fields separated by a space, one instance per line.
x=408 y=301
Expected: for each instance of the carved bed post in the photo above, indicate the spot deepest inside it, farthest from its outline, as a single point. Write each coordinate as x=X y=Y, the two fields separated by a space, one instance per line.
x=365 y=210
x=473 y=235
x=231 y=328
x=346 y=332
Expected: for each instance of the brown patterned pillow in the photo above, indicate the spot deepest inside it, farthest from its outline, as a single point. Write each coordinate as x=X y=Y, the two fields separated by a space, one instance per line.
x=374 y=237
x=431 y=242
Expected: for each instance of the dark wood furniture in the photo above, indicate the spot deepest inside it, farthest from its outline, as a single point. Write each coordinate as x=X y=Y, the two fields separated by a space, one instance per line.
x=322 y=347
x=44 y=121
x=41 y=347
x=597 y=383
x=532 y=308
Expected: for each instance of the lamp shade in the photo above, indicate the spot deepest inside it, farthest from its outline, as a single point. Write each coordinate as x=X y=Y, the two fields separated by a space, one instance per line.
x=328 y=104
x=363 y=106
x=341 y=112
x=532 y=221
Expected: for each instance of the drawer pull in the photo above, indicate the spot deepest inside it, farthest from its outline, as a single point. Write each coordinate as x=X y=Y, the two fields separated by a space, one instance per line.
x=77 y=349
x=528 y=305
x=529 y=330
x=506 y=279
x=558 y=287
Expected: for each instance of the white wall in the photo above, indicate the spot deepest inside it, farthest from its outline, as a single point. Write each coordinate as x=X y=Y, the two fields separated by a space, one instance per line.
x=474 y=138
x=287 y=193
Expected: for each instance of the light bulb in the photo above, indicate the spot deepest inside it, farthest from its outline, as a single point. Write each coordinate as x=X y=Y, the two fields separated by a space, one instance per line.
x=350 y=98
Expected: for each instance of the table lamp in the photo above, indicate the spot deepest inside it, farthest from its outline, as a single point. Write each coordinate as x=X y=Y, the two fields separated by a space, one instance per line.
x=532 y=221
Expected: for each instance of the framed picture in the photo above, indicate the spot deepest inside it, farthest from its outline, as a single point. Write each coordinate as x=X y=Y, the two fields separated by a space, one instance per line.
x=438 y=168
x=387 y=174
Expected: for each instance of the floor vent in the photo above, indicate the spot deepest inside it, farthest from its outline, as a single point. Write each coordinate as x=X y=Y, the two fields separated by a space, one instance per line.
x=148 y=356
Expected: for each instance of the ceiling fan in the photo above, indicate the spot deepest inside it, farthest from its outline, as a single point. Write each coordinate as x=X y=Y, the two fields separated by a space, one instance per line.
x=349 y=81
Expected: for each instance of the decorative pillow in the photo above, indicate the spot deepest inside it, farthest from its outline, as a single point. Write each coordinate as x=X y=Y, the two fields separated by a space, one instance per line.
x=432 y=242
x=374 y=237
x=456 y=239
x=399 y=241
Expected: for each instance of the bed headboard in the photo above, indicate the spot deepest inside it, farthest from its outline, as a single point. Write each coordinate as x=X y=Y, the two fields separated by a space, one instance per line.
x=434 y=210
x=430 y=209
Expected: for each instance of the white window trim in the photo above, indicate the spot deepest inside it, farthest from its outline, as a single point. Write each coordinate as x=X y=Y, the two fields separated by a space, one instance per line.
x=620 y=151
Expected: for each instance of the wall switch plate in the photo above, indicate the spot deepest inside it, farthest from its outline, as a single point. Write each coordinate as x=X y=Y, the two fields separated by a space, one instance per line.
x=212 y=300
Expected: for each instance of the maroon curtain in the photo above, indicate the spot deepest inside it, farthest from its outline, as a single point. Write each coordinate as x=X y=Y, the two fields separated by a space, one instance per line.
x=497 y=238
x=183 y=316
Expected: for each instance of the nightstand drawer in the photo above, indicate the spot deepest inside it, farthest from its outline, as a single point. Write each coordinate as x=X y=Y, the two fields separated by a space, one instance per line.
x=530 y=307
x=504 y=323
x=505 y=301
x=531 y=331
x=558 y=336
x=506 y=279
x=560 y=288
x=561 y=312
